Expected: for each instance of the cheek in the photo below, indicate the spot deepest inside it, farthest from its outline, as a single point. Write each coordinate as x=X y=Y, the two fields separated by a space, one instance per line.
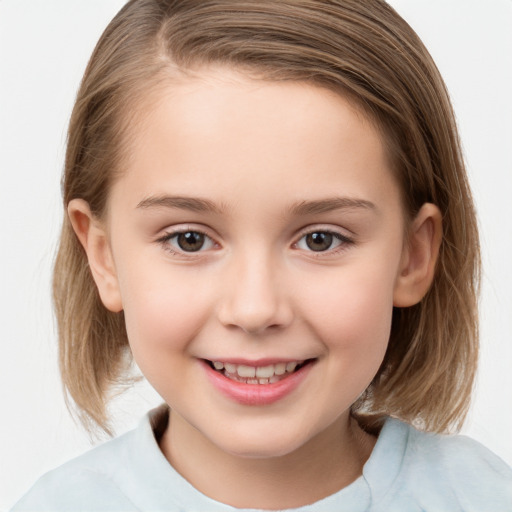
x=160 y=321
x=352 y=313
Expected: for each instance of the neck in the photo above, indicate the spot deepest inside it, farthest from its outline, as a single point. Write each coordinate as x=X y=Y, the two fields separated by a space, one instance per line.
x=325 y=464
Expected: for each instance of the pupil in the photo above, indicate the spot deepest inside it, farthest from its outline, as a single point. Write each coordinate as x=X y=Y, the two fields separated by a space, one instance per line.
x=190 y=241
x=319 y=241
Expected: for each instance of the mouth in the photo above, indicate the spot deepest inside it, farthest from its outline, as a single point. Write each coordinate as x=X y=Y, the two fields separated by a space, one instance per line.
x=259 y=383
x=258 y=375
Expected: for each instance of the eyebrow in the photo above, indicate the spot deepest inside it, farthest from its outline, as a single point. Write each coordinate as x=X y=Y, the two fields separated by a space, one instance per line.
x=193 y=204
x=196 y=204
x=330 y=204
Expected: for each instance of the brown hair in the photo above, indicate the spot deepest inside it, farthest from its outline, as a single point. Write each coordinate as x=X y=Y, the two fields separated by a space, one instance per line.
x=361 y=49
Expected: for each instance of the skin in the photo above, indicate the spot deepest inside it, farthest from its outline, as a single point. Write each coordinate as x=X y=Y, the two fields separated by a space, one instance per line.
x=254 y=152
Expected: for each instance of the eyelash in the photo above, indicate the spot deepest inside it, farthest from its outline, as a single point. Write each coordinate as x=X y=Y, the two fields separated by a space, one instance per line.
x=344 y=242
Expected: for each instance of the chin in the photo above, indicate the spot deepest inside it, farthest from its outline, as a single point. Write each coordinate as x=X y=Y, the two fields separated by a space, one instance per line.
x=262 y=444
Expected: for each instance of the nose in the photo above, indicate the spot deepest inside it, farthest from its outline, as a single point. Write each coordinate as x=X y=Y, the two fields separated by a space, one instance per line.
x=254 y=298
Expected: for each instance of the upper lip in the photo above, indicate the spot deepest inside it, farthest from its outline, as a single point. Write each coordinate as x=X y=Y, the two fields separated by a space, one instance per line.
x=256 y=362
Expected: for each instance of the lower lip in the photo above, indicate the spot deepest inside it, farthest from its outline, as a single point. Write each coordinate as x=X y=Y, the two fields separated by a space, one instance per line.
x=256 y=394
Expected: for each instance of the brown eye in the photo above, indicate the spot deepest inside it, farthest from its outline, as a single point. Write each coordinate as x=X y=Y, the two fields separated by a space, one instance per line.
x=186 y=242
x=320 y=241
x=191 y=241
x=329 y=242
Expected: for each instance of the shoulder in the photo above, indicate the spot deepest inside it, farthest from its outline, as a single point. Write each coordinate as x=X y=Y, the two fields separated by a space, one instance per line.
x=92 y=481
x=460 y=458
x=73 y=488
x=449 y=472
x=125 y=474
x=115 y=476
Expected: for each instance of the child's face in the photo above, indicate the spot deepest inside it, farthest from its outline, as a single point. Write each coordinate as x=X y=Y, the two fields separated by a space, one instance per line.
x=256 y=223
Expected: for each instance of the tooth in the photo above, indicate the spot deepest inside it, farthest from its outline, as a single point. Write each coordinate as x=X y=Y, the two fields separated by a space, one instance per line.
x=291 y=366
x=246 y=371
x=263 y=381
x=230 y=368
x=264 y=372
x=273 y=379
x=252 y=381
x=280 y=368
x=217 y=365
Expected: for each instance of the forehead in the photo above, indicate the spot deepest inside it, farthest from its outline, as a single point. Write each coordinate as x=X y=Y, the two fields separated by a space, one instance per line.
x=244 y=135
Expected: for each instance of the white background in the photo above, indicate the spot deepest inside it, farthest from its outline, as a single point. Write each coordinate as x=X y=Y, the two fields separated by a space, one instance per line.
x=44 y=47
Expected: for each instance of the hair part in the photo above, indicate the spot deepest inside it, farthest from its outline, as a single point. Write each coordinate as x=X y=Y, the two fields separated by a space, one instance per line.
x=362 y=50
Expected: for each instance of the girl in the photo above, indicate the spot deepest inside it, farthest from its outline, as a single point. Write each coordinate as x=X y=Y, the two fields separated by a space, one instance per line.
x=267 y=207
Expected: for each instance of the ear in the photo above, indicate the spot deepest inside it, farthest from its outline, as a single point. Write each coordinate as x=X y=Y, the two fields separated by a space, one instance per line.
x=419 y=257
x=93 y=237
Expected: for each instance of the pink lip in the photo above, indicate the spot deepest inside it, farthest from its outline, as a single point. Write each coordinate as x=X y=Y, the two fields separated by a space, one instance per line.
x=256 y=394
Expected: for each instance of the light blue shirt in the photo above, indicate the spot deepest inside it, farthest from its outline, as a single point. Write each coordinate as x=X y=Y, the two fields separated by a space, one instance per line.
x=407 y=471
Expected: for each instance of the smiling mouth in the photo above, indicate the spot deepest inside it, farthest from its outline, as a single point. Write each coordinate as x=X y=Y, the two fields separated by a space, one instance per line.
x=261 y=375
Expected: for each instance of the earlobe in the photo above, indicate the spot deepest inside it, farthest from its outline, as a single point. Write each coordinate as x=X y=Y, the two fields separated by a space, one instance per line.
x=419 y=257
x=93 y=237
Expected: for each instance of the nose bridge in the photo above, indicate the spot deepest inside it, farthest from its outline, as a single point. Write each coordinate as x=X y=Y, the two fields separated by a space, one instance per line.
x=254 y=298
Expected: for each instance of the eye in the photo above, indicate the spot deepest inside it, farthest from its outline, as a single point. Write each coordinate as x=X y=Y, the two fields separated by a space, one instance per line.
x=322 y=241
x=187 y=241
